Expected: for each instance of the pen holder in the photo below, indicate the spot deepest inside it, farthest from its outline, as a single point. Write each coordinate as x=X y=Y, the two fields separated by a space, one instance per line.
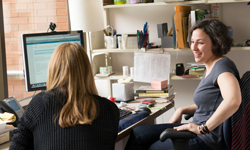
x=110 y=42
x=142 y=40
x=117 y=2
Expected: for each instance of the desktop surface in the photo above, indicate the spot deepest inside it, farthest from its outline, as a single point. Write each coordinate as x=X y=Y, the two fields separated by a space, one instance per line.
x=161 y=106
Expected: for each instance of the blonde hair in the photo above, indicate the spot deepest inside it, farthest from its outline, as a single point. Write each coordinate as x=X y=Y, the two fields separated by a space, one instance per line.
x=69 y=70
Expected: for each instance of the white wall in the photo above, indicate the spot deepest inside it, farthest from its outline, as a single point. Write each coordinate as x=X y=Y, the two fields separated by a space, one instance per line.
x=128 y=20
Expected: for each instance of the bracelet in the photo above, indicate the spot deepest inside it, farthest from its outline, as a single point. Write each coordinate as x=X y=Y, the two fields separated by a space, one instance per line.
x=203 y=129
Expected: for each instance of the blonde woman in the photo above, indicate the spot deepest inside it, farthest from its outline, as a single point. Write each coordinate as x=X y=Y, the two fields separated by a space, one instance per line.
x=69 y=115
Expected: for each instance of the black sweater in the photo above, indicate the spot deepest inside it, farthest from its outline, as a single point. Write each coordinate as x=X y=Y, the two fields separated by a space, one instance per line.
x=38 y=130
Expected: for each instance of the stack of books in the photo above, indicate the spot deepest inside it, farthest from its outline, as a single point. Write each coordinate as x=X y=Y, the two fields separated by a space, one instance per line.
x=148 y=92
x=196 y=69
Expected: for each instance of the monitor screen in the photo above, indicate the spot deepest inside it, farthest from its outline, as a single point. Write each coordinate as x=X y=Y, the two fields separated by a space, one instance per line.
x=37 y=50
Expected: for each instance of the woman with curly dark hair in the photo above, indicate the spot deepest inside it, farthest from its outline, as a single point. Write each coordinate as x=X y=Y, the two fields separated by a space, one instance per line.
x=216 y=98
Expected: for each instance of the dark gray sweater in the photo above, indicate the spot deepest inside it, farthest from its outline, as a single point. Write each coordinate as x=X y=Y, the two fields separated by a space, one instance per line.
x=38 y=130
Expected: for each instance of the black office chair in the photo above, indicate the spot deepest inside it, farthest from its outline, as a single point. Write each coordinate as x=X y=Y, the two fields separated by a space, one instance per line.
x=235 y=129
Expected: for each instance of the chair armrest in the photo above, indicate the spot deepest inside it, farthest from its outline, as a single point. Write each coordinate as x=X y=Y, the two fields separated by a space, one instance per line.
x=188 y=116
x=174 y=134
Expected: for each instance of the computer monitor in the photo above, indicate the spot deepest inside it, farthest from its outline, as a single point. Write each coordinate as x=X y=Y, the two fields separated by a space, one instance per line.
x=37 y=50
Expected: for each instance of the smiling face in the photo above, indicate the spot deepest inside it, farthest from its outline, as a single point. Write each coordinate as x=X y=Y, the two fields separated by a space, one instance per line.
x=201 y=46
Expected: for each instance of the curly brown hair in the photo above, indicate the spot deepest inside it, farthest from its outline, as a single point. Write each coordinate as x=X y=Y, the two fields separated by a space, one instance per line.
x=218 y=33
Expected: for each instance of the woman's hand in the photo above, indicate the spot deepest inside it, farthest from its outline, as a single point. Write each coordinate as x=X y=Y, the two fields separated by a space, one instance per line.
x=177 y=116
x=190 y=127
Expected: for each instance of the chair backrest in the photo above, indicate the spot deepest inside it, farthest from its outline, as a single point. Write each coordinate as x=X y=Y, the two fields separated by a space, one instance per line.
x=240 y=121
x=227 y=132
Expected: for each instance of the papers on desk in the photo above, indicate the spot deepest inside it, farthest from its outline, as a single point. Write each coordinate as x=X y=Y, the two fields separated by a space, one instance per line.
x=149 y=66
x=7 y=129
x=6 y=134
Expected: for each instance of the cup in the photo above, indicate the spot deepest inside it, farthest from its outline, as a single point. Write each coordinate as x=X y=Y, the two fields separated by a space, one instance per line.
x=125 y=70
x=119 y=42
x=131 y=71
x=142 y=40
x=117 y=2
x=134 y=1
x=110 y=42
x=113 y=42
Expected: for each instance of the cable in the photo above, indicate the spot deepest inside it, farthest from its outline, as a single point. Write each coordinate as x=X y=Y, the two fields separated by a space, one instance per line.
x=34 y=94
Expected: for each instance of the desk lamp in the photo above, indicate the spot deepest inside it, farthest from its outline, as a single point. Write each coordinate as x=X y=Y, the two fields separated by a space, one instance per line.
x=86 y=15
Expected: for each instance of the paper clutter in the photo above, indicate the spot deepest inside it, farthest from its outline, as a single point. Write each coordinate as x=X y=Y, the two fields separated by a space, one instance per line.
x=2 y=125
x=8 y=117
x=124 y=81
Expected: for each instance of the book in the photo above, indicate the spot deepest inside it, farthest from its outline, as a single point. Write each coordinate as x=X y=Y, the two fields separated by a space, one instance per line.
x=198 y=68
x=193 y=17
x=196 y=73
x=198 y=14
x=185 y=31
x=195 y=64
x=148 y=89
x=189 y=76
x=181 y=25
x=174 y=33
x=153 y=94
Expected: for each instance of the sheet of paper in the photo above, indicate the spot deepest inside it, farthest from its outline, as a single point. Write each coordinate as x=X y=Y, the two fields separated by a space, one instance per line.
x=149 y=66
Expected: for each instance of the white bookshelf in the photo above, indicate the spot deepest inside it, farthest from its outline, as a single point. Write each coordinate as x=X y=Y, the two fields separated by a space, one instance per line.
x=104 y=50
x=173 y=3
x=155 y=4
x=119 y=75
x=104 y=56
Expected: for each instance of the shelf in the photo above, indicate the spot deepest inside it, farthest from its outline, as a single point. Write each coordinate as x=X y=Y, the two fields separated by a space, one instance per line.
x=117 y=76
x=154 y=4
x=134 y=50
x=180 y=78
x=113 y=50
x=153 y=50
x=173 y=3
x=247 y=48
x=226 y=1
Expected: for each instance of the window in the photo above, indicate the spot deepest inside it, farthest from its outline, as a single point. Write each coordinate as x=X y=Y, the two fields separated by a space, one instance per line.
x=27 y=16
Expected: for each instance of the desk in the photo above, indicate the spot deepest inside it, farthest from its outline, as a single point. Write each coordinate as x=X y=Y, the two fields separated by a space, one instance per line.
x=5 y=146
x=156 y=111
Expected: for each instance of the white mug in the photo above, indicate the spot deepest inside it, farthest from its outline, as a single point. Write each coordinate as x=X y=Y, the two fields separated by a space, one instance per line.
x=110 y=42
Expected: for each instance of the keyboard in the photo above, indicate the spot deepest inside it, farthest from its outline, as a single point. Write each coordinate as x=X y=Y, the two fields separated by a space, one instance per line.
x=124 y=113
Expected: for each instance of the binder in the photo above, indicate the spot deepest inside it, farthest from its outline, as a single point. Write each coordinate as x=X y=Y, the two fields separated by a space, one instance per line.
x=179 y=28
x=174 y=34
x=185 y=31
x=181 y=8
